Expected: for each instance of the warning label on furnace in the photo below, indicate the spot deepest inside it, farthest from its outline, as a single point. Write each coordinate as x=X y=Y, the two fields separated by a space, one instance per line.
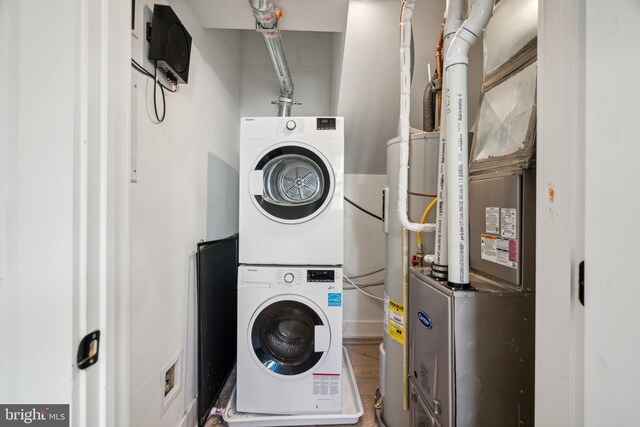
x=395 y=320
x=326 y=384
x=500 y=250
x=508 y=222
x=492 y=221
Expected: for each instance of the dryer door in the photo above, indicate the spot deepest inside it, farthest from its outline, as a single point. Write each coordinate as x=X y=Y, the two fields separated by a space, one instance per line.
x=289 y=335
x=291 y=182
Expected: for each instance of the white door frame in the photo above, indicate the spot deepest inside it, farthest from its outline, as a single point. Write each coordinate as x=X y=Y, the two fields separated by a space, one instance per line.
x=102 y=260
x=559 y=394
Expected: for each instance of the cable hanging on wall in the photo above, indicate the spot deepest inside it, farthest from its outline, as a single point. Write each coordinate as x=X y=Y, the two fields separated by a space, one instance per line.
x=157 y=83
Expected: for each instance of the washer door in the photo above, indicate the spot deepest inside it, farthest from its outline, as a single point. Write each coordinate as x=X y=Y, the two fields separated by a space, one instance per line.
x=291 y=183
x=289 y=336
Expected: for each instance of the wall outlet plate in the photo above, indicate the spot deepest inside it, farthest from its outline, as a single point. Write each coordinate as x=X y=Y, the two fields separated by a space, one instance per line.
x=170 y=373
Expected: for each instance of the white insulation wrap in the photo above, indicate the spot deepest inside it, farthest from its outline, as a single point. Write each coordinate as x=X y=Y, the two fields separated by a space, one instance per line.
x=405 y=89
x=454 y=13
x=457 y=147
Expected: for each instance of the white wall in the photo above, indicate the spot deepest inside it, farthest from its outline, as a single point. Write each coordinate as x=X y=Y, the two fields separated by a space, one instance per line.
x=364 y=251
x=186 y=191
x=369 y=93
x=37 y=149
x=309 y=55
x=612 y=202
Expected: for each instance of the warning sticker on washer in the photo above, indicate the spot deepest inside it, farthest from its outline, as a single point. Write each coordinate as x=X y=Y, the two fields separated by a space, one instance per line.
x=326 y=384
x=492 y=216
x=500 y=250
x=395 y=321
x=508 y=221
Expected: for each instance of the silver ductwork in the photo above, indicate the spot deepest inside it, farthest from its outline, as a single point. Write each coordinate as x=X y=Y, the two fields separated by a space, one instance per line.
x=267 y=24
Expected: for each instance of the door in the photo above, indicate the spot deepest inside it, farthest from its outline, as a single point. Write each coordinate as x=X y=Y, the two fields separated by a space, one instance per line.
x=54 y=194
x=289 y=336
x=291 y=183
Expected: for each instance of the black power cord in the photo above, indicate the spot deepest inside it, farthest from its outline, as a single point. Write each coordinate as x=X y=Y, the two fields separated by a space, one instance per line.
x=156 y=82
x=363 y=209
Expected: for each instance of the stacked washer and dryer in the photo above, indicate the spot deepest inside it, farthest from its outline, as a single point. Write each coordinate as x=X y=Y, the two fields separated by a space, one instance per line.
x=290 y=273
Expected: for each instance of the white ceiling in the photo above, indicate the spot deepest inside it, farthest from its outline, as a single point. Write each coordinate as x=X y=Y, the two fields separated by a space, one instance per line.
x=299 y=15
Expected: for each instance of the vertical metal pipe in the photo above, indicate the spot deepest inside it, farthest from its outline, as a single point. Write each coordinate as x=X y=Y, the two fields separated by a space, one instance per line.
x=267 y=24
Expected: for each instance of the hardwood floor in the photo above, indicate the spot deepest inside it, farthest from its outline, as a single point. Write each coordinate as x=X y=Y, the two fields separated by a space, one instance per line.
x=364 y=359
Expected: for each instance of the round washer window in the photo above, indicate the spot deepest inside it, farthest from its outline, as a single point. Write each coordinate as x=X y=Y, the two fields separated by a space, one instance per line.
x=283 y=337
x=298 y=183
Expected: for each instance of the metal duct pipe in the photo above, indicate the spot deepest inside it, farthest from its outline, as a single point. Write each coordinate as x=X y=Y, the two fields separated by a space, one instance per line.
x=267 y=23
x=440 y=265
x=457 y=147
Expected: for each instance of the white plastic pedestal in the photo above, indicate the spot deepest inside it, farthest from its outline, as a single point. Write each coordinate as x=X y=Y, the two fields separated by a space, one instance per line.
x=352 y=408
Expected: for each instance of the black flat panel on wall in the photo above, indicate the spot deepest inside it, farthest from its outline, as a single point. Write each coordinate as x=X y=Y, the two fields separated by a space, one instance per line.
x=217 y=318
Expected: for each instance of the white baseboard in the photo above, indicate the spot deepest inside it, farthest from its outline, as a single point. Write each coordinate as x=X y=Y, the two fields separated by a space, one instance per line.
x=362 y=329
x=190 y=417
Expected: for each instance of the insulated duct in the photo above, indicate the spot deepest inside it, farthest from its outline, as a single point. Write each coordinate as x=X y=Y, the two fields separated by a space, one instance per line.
x=457 y=146
x=405 y=88
x=439 y=267
x=267 y=17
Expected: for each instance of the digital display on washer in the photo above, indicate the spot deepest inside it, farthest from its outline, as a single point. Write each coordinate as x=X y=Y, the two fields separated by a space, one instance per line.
x=328 y=123
x=321 y=276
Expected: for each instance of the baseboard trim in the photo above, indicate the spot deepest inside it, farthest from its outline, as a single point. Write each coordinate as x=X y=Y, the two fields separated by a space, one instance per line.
x=362 y=340
x=190 y=417
x=359 y=329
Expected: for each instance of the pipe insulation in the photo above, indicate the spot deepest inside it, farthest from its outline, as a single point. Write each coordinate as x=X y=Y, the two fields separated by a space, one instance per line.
x=267 y=17
x=453 y=21
x=457 y=145
x=405 y=88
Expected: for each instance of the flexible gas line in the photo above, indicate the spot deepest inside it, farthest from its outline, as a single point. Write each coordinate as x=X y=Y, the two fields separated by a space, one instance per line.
x=424 y=218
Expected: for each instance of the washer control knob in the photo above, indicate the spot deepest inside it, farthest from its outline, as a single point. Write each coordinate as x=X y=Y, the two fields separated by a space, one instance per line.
x=291 y=125
x=288 y=277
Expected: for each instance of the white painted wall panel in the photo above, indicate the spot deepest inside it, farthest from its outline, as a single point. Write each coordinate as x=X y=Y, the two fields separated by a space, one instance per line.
x=37 y=142
x=364 y=251
x=186 y=191
x=612 y=202
x=309 y=55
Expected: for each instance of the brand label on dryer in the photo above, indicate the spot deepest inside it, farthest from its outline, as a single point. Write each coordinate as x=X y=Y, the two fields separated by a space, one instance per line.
x=335 y=300
x=326 y=384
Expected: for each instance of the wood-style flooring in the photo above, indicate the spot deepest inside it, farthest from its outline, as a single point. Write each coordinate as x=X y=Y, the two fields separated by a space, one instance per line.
x=364 y=359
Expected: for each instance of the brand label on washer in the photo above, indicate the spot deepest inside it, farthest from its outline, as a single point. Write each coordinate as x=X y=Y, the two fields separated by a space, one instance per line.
x=500 y=250
x=395 y=321
x=326 y=384
x=335 y=300
x=508 y=220
x=492 y=220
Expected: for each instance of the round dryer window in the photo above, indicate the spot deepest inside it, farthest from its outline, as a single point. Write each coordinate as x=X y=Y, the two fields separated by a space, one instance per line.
x=297 y=183
x=283 y=337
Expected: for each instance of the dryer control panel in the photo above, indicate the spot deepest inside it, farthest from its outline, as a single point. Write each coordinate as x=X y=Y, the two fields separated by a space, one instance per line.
x=321 y=276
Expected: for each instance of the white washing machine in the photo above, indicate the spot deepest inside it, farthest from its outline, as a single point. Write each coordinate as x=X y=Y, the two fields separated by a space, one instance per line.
x=291 y=190
x=289 y=340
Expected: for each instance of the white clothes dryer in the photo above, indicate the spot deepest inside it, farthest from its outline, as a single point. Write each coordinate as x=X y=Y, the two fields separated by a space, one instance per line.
x=291 y=190
x=289 y=340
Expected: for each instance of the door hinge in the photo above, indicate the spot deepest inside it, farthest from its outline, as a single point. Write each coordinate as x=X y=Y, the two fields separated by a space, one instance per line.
x=581 y=283
x=88 y=350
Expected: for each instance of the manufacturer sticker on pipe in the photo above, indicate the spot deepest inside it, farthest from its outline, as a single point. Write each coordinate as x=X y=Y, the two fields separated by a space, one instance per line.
x=395 y=320
x=500 y=250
